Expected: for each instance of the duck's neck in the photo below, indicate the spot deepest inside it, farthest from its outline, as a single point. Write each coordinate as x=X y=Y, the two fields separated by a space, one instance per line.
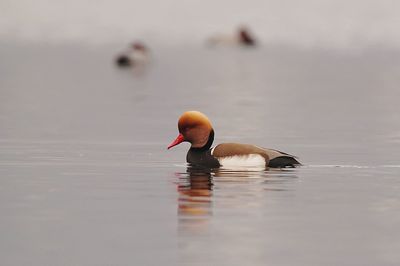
x=207 y=146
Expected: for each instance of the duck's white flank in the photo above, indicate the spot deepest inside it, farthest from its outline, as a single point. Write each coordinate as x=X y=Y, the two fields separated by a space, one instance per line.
x=139 y=56
x=251 y=160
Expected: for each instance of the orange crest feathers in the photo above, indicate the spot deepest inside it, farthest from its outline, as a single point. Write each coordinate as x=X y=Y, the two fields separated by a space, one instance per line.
x=191 y=119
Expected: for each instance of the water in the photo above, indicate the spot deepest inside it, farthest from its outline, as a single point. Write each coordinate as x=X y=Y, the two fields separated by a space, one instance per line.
x=86 y=178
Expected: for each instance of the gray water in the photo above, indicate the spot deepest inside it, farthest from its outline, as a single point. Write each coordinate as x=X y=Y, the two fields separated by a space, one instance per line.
x=85 y=177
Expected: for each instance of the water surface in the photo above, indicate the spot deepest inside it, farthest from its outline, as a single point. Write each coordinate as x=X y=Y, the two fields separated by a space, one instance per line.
x=86 y=178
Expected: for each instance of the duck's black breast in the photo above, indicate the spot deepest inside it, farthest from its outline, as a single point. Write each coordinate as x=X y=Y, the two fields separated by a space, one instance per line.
x=202 y=158
x=123 y=61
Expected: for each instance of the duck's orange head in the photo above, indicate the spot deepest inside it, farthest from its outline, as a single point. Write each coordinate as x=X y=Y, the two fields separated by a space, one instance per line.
x=194 y=127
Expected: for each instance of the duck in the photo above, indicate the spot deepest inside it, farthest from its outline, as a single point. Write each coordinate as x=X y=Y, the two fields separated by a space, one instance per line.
x=242 y=37
x=195 y=127
x=137 y=54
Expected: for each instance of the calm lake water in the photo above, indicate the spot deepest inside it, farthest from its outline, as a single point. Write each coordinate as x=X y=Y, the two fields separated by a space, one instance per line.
x=86 y=179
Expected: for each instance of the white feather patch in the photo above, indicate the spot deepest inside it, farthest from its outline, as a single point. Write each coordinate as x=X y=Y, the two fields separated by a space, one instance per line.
x=212 y=151
x=241 y=161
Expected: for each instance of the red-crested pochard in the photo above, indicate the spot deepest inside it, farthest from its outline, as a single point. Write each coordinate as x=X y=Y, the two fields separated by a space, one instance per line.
x=136 y=54
x=195 y=127
x=242 y=36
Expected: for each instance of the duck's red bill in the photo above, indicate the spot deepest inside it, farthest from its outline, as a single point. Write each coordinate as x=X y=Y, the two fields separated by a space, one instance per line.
x=178 y=140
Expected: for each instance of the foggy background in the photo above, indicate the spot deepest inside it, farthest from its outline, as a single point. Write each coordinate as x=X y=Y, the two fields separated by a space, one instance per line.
x=318 y=23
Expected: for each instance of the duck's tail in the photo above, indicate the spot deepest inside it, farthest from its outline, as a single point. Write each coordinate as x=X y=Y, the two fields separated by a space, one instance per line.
x=283 y=162
x=279 y=159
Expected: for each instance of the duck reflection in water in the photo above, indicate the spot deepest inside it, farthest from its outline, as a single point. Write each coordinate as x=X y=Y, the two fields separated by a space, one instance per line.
x=195 y=188
x=195 y=191
x=195 y=197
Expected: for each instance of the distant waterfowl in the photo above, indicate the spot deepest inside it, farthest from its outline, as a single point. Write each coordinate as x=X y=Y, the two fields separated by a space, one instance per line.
x=195 y=128
x=242 y=37
x=136 y=54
